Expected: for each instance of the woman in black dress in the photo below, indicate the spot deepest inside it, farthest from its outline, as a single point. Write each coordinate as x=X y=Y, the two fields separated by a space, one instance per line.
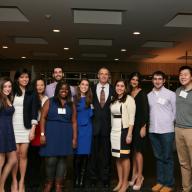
x=7 y=138
x=139 y=131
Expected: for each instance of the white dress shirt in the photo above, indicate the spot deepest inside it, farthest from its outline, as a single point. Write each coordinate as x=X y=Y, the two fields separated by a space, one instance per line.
x=106 y=90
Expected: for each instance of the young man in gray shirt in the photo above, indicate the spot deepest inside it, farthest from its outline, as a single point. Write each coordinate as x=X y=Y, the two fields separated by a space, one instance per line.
x=183 y=130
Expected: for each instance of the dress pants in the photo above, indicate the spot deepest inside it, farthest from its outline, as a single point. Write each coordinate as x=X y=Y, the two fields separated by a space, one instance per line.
x=100 y=160
x=184 y=149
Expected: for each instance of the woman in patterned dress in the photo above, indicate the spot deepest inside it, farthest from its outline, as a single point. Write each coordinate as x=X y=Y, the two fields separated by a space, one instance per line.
x=122 y=121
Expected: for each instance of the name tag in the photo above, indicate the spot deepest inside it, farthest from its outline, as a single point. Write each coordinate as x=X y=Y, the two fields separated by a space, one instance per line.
x=161 y=101
x=61 y=111
x=183 y=94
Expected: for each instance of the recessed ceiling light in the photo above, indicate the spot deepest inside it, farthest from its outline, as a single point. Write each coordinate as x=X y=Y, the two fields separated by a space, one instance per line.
x=5 y=47
x=71 y=58
x=56 y=30
x=23 y=57
x=47 y=16
x=66 y=48
x=136 y=33
x=123 y=50
x=116 y=59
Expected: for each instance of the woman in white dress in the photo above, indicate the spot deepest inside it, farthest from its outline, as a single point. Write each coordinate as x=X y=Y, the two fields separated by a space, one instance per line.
x=24 y=123
x=122 y=121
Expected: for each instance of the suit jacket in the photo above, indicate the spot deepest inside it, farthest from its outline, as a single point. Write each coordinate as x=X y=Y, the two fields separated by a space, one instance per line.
x=102 y=116
x=30 y=109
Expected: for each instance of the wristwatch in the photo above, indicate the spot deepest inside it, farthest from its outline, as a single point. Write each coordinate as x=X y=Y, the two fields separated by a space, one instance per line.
x=42 y=134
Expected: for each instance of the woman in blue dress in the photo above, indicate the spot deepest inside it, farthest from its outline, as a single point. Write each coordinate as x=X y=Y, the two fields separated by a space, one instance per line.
x=7 y=137
x=84 y=137
x=58 y=125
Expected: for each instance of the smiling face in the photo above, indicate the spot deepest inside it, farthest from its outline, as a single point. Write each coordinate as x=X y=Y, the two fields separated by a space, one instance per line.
x=185 y=77
x=120 y=88
x=40 y=86
x=58 y=74
x=103 y=76
x=23 y=80
x=84 y=87
x=134 y=82
x=63 y=92
x=158 y=81
x=7 y=88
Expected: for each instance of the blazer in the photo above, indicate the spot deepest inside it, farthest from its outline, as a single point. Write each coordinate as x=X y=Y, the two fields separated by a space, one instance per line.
x=102 y=116
x=30 y=109
x=128 y=112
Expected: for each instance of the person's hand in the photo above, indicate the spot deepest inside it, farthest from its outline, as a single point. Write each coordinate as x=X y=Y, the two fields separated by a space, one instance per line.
x=129 y=139
x=43 y=140
x=143 y=132
x=31 y=134
x=74 y=143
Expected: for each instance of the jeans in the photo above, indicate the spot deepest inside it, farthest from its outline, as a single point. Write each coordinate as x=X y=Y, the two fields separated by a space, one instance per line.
x=162 y=145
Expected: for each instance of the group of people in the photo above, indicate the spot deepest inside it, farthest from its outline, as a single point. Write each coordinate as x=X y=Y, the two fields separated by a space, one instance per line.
x=95 y=123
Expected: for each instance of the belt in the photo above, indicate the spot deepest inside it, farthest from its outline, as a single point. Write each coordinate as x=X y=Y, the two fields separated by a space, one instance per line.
x=117 y=116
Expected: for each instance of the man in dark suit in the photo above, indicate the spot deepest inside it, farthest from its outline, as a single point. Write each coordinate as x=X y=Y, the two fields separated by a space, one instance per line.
x=101 y=148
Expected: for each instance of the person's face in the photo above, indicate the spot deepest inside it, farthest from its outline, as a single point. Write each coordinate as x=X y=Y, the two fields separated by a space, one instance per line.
x=120 y=88
x=7 y=88
x=63 y=92
x=185 y=77
x=103 y=76
x=84 y=86
x=40 y=86
x=134 y=82
x=23 y=80
x=158 y=81
x=58 y=74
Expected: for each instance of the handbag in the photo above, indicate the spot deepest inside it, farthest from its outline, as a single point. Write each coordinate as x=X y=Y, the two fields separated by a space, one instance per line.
x=36 y=140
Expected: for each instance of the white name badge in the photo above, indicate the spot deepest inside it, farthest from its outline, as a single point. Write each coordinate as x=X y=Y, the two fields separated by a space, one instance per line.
x=61 y=111
x=92 y=107
x=183 y=94
x=161 y=101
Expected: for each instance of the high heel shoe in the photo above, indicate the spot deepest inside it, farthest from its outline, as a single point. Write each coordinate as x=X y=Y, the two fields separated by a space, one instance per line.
x=138 y=186
x=117 y=187
x=132 y=182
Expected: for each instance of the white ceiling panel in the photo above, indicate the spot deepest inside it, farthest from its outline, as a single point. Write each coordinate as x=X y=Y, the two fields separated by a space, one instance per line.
x=97 y=17
x=12 y=14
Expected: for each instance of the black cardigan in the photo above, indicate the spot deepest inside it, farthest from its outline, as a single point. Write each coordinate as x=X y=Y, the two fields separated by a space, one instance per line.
x=30 y=108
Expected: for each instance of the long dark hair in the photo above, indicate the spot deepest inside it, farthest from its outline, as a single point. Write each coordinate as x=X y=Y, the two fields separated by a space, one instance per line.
x=115 y=96
x=3 y=97
x=135 y=74
x=58 y=88
x=34 y=86
x=88 y=94
x=16 y=88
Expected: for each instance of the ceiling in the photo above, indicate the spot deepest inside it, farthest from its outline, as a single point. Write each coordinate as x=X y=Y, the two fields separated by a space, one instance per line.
x=162 y=39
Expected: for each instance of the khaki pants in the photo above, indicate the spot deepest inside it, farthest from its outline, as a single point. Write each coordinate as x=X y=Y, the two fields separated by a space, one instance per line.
x=183 y=138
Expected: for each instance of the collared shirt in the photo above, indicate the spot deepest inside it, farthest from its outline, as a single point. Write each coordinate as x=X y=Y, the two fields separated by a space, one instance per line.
x=50 y=90
x=162 y=106
x=106 y=90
